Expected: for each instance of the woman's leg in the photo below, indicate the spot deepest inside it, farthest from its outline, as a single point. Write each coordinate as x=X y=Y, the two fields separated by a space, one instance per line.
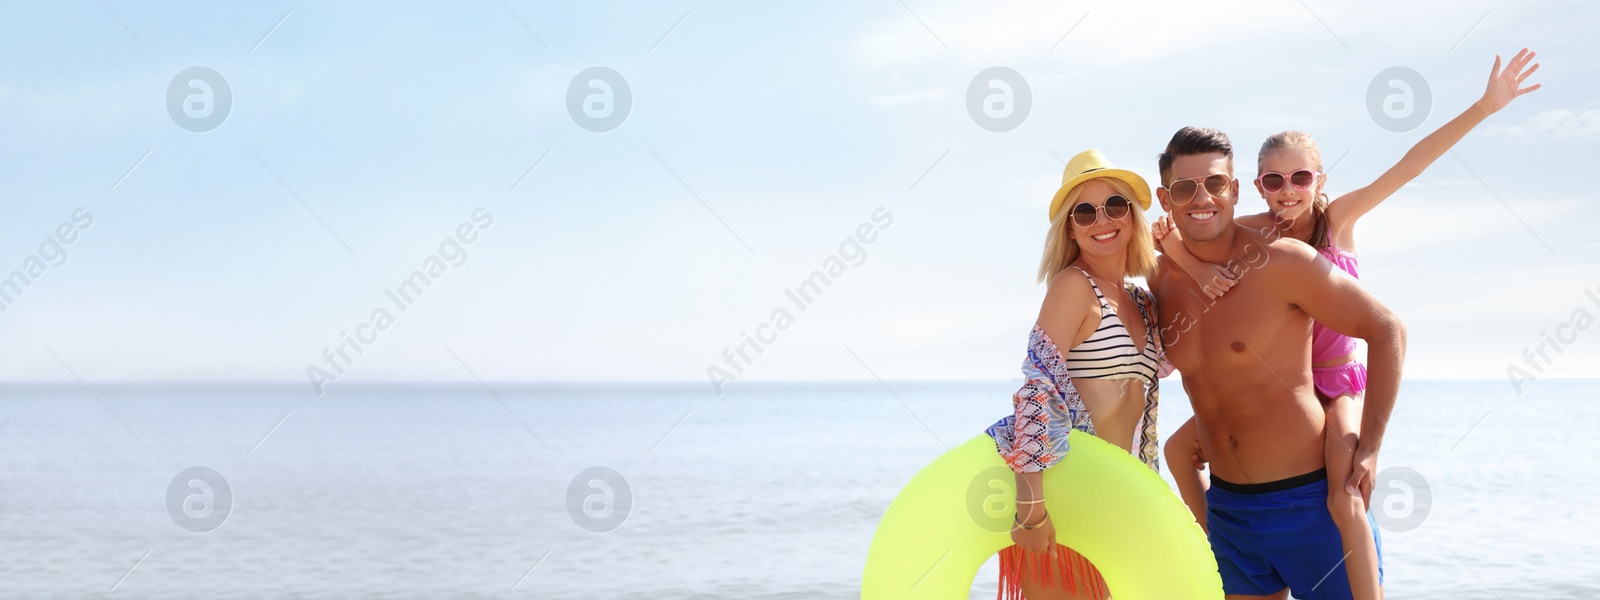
x=1349 y=512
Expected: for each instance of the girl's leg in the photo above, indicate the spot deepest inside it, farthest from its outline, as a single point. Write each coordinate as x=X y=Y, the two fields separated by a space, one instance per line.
x=1349 y=512
x=1180 y=461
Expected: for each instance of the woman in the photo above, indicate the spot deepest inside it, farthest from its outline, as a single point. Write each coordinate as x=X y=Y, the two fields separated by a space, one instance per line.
x=1291 y=181
x=1104 y=384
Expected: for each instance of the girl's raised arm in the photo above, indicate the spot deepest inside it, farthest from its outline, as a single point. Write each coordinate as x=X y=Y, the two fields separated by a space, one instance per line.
x=1503 y=88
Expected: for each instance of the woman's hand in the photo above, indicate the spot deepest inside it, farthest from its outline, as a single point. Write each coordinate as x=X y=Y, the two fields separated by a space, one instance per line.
x=1503 y=83
x=1041 y=540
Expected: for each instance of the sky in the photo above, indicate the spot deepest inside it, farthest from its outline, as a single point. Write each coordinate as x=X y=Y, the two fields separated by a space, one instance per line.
x=358 y=138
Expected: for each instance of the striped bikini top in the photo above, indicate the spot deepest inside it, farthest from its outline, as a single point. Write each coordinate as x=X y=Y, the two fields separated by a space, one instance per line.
x=1110 y=353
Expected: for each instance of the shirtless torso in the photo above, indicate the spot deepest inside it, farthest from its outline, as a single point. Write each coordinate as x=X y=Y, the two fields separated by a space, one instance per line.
x=1245 y=360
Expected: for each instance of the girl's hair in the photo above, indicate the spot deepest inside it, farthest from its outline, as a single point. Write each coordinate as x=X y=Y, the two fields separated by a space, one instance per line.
x=1319 y=206
x=1060 y=249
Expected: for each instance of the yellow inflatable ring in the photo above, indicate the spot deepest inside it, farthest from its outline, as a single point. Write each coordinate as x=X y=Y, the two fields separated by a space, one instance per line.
x=1108 y=506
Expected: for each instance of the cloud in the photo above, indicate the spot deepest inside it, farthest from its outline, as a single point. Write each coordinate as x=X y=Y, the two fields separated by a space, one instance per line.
x=1001 y=33
x=892 y=100
x=132 y=100
x=969 y=33
x=1551 y=126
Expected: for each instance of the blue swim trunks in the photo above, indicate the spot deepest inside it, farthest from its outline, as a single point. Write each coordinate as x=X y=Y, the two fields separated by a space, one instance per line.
x=1268 y=536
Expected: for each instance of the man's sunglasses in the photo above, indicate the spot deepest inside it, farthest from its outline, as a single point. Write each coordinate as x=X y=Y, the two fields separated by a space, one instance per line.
x=1181 y=191
x=1303 y=179
x=1086 y=214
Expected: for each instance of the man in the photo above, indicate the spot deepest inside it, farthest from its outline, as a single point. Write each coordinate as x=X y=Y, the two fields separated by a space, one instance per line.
x=1246 y=364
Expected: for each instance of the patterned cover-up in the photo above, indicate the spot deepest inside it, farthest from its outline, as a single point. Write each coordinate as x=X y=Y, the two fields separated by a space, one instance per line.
x=1047 y=406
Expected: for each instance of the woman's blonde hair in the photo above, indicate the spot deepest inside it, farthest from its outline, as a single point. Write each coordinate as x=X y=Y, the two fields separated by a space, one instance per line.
x=1301 y=140
x=1060 y=249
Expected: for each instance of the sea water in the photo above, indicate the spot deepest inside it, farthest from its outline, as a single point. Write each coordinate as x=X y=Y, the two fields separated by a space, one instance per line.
x=768 y=491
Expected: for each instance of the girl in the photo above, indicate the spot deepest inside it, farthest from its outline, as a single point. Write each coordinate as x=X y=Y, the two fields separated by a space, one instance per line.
x=1291 y=181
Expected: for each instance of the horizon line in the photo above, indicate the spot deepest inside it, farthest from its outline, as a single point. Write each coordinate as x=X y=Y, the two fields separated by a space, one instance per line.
x=615 y=383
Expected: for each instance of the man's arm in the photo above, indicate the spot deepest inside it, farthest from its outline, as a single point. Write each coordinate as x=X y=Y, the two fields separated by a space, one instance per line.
x=1336 y=300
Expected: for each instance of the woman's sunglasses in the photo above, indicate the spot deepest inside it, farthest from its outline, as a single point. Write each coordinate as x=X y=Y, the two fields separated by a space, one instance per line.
x=1181 y=191
x=1086 y=214
x=1303 y=179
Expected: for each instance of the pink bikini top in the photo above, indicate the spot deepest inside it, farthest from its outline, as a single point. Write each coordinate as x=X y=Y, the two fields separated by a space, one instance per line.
x=1327 y=344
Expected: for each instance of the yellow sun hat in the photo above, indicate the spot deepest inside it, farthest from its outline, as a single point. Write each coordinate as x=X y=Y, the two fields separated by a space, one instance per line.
x=1091 y=164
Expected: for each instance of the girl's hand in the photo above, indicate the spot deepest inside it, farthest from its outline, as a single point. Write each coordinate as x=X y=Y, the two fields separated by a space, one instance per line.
x=1198 y=457
x=1159 y=228
x=1214 y=280
x=1164 y=233
x=1041 y=540
x=1503 y=84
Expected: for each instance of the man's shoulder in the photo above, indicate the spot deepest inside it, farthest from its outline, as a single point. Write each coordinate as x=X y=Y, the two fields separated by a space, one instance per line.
x=1262 y=221
x=1290 y=262
x=1291 y=250
x=1163 y=266
x=1158 y=276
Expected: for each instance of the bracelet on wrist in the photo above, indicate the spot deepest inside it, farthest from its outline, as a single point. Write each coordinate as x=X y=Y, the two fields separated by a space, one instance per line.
x=1026 y=527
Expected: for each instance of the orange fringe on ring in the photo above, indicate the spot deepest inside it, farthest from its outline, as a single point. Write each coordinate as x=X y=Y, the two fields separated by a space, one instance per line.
x=1074 y=569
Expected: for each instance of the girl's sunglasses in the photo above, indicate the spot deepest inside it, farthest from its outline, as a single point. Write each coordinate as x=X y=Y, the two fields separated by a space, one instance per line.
x=1181 y=191
x=1301 y=180
x=1086 y=214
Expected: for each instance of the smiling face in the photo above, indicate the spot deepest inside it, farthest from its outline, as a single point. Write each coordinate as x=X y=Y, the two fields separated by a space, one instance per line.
x=1107 y=236
x=1204 y=217
x=1290 y=203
